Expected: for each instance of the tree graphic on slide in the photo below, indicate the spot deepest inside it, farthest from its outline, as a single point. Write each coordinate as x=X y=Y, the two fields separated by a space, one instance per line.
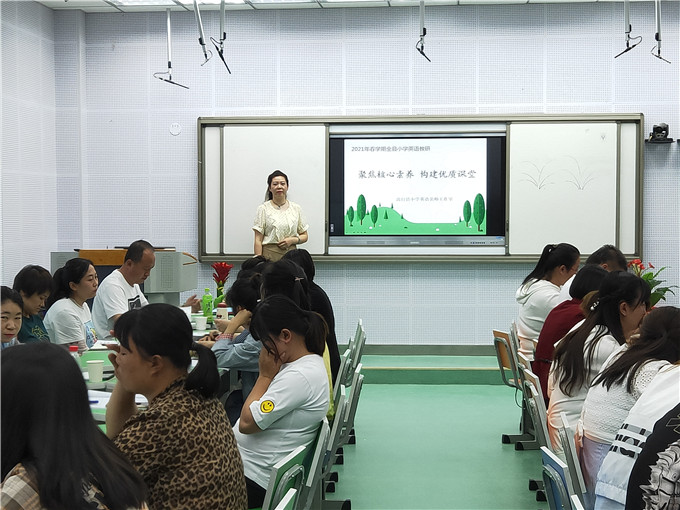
x=350 y=215
x=361 y=209
x=374 y=215
x=467 y=212
x=479 y=211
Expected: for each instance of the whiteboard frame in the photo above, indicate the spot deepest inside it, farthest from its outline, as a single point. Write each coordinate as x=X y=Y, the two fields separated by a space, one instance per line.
x=632 y=123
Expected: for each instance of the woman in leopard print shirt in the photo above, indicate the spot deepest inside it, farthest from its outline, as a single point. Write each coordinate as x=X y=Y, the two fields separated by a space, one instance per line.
x=182 y=445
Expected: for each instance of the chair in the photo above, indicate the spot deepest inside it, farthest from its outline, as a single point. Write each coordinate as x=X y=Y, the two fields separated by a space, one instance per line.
x=334 y=440
x=555 y=476
x=343 y=375
x=524 y=362
x=576 y=503
x=538 y=413
x=357 y=349
x=507 y=362
x=536 y=409
x=288 y=502
x=577 y=485
x=514 y=337
x=310 y=495
x=288 y=473
x=347 y=436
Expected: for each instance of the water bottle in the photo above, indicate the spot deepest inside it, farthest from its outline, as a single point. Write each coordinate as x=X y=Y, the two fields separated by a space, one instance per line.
x=207 y=304
x=73 y=350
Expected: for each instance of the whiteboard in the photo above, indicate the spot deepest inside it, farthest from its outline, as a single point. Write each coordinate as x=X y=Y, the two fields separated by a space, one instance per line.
x=247 y=155
x=562 y=185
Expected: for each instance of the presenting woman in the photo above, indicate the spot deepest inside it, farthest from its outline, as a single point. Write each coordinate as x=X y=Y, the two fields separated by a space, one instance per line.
x=279 y=225
x=182 y=444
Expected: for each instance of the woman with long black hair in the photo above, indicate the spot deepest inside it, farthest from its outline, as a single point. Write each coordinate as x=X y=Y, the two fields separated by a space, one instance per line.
x=540 y=291
x=625 y=375
x=53 y=454
x=615 y=313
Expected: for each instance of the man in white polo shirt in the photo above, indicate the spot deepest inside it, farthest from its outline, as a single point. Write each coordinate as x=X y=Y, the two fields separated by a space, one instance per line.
x=120 y=292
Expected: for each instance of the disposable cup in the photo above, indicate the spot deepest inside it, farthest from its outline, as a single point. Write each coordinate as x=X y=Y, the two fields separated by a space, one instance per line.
x=187 y=310
x=95 y=368
x=201 y=322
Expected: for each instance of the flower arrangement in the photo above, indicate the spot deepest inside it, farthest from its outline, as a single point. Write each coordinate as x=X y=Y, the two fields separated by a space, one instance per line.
x=220 y=276
x=648 y=274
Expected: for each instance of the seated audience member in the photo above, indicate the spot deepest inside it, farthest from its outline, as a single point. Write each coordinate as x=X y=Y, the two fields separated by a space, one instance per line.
x=654 y=480
x=319 y=303
x=34 y=283
x=239 y=351
x=623 y=378
x=657 y=400
x=608 y=257
x=287 y=278
x=254 y=264
x=291 y=395
x=11 y=316
x=539 y=291
x=120 y=291
x=249 y=268
x=561 y=319
x=68 y=320
x=53 y=453
x=616 y=312
x=182 y=445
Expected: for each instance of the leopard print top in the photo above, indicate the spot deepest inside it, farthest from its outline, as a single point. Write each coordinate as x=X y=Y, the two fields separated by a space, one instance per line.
x=184 y=448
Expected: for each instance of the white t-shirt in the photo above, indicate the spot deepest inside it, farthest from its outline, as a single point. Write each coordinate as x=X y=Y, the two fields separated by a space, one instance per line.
x=66 y=322
x=115 y=296
x=289 y=414
x=277 y=224
x=572 y=405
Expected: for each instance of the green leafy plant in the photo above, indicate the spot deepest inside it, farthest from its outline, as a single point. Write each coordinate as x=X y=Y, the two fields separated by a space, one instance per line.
x=648 y=274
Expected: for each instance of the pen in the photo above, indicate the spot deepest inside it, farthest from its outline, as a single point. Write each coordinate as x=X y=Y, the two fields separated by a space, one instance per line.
x=94 y=401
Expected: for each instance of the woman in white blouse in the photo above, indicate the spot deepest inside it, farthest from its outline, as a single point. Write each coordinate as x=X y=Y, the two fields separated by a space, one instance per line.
x=614 y=314
x=279 y=224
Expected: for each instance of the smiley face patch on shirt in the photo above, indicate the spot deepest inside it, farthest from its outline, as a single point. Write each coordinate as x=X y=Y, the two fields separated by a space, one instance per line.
x=267 y=406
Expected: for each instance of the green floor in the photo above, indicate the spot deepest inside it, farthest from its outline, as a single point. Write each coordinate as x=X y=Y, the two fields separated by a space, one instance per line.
x=426 y=446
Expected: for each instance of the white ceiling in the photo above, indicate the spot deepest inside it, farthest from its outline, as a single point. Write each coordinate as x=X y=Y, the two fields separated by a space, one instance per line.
x=182 y=5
